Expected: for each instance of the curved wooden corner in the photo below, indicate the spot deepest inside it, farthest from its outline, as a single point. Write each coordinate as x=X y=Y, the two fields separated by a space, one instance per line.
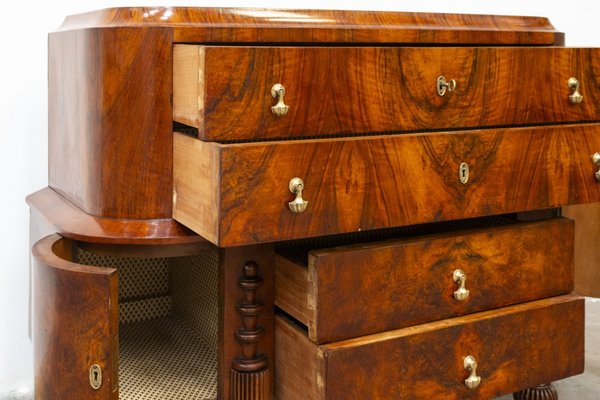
x=73 y=223
x=243 y=25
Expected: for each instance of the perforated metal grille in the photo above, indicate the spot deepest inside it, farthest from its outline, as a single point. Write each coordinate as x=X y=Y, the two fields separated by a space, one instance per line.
x=145 y=309
x=138 y=277
x=195 y=288
x=165 y=360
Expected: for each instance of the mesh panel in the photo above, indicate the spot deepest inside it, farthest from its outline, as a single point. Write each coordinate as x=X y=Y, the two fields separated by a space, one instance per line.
x=168 y=314
x=165 y=360
x=138 y=277
x=298 y=250
x=195 y=288
x=142 y=310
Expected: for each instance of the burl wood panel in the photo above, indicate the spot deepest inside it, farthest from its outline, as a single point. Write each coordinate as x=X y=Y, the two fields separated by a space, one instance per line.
x=231 y=263
x=355 y=184
x=350 y=90
x=236 y=25
x=587 y=251
x=515 y=347
x=359 y=290
x=110 y=120
x=57 y=214
x=75 y=324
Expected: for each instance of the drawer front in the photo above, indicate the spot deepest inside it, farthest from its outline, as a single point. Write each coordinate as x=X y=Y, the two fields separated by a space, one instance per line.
x=515 y=348
x=363 y=289
x=226 y=91
x=240 y=193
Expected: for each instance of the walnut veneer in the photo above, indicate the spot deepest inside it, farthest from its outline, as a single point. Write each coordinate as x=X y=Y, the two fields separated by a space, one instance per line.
x=167 y=260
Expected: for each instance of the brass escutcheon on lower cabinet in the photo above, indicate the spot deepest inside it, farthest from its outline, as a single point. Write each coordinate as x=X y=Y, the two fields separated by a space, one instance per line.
x=95 y=376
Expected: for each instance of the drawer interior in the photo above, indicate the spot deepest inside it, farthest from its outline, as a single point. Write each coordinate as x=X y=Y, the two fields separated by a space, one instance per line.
x=297 y=251
x=168 y=324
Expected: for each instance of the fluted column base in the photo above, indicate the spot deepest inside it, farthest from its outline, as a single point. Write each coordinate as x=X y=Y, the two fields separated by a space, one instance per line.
x=541 y=392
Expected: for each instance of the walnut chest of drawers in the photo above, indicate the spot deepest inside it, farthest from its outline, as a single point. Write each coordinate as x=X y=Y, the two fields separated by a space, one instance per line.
x=250 y=204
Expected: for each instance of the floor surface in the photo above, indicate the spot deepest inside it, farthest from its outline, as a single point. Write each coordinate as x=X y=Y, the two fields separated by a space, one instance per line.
x=581 y=387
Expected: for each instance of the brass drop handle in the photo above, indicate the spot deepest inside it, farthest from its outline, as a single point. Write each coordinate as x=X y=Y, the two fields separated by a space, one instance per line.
x=470 y=365
x=596 y=160
x=442 y=85
x=299 y=204
x=575 y=97
x=279 y=109
x=460 y=278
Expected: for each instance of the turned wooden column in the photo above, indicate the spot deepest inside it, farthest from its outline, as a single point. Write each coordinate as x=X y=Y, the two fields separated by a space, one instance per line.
x=246 y=323
x=541 y=392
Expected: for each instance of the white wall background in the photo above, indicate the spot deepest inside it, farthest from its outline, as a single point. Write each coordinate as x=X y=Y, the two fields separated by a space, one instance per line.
x=23 y=121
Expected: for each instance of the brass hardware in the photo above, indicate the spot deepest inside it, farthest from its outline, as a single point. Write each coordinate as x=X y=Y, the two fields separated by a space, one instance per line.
x=575 y=97
x=299 y=204
x=596 y=160
x=460 y=278
x=470 y=365
x=279 y=109
x=95 y=376
x=463 y=173
x=442 y=85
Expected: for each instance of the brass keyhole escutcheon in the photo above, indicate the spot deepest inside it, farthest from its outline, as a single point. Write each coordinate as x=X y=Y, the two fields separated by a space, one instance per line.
x=95 y=376
x=463 y=173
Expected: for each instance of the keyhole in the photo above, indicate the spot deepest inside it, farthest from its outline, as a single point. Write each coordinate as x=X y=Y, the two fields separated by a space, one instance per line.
x=463 y=173
x=95 y=376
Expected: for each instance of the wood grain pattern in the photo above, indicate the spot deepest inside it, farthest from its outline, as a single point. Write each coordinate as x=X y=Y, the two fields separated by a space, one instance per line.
x=236 y=25
x=196 y=184
x=75 y=323
x=109 y=120
x=587 y=251
x=57 y=214
x=359 y=290
x=355 y=184
x=512 y=346
x=292 y=290
x=231 y=262
x=356 y=90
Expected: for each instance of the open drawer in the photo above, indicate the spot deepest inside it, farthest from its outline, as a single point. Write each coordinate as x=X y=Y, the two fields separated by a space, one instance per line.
x=428 y=273
x=515 y=348
x=238 y=194
x=227 y=92
x=124 y=324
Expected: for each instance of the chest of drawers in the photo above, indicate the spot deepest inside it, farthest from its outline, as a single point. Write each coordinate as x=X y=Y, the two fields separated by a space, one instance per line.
x=255 y=204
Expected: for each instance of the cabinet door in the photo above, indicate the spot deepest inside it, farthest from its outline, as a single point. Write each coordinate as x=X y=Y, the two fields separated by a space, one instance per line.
x=75 y=324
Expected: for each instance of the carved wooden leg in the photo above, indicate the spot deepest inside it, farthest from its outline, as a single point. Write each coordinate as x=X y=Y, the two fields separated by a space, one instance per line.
x=541 y=392
x=246 y=323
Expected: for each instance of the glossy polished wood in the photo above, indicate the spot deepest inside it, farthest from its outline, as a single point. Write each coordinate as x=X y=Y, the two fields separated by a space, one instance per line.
x=231 y=295
x=355 y=184
x=68 y=220
x=75 y=324
x=358 y=290
x=325 y=26
x=515 y=347
x=109 y=120
x=587 y=251
x=226 y=91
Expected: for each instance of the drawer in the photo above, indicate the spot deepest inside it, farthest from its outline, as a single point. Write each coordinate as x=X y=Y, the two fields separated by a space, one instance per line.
x=362 y=289
x=515 y=348
x=225 y=92
x=237 y=194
